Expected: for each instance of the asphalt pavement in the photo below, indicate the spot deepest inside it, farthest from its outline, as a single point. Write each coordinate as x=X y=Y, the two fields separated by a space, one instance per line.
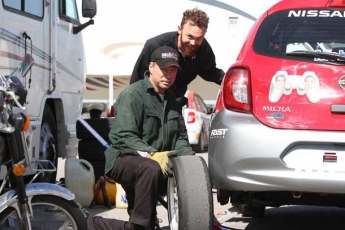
x=162 y=214
x=282 y=218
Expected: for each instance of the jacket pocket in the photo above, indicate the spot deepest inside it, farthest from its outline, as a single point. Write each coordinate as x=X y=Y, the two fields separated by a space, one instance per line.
x=173 y=115
x=152 y=122
x=174 y=121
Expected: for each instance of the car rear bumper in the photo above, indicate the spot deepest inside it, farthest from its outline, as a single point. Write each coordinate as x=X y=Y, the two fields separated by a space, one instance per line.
x=245 y=155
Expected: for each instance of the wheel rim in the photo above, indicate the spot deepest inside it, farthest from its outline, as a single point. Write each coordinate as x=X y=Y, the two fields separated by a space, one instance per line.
x=172 y=203
x=47 y=150
x=46 y=216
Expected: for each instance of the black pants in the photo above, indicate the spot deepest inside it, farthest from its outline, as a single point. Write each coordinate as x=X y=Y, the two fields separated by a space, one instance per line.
x=142 y=180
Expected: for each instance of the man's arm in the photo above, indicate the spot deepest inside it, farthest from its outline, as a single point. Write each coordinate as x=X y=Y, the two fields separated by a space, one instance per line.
x=143 y=61
x=210 y=72
x=212 y=75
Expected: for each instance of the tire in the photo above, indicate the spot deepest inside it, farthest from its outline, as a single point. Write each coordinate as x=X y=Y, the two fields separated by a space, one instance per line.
x=101 y=125
x=48 y=145
x=49 y=213
x=199 y=148
x=250 y=210
x=190 y=200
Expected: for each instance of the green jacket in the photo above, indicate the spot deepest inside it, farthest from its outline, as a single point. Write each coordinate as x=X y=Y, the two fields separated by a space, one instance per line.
x=145 y=122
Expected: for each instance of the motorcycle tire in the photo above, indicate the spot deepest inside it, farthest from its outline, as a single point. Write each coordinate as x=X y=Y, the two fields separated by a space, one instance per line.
x=49 y=213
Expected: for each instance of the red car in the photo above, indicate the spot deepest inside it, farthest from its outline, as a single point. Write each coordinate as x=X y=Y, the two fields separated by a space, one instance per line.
x=278 y=132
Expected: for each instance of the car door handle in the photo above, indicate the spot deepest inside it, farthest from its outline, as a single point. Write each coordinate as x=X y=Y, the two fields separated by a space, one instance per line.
x=338 y=108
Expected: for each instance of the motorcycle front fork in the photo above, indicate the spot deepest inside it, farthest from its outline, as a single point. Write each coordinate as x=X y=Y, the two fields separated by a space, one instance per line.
x=16 y=148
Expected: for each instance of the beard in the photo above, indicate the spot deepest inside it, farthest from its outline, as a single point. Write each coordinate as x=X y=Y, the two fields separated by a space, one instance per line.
x=186 y=49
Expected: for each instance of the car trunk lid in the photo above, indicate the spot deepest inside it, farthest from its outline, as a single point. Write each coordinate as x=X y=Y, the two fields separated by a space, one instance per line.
x=297 y=94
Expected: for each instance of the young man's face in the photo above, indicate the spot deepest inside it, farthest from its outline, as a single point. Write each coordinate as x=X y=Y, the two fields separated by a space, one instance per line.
x=280 y=82
x=190 y=38
x=309 y=82
x=162 y=79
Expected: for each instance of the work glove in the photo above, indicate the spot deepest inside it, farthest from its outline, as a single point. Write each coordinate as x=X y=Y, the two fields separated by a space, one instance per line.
x=163 y=159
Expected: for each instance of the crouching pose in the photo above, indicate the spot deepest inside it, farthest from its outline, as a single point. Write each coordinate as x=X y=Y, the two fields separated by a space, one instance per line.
x=147 y=131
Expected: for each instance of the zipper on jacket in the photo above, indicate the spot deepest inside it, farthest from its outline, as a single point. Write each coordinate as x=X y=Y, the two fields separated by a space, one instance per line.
x=163 y=121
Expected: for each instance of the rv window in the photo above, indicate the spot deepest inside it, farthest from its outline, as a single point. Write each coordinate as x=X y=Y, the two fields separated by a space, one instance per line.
x=33 y=7
x=15 y=4
x=68 y=10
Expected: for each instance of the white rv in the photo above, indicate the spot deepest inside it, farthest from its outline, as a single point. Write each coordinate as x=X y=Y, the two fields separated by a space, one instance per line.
x=50 y=31
x=113 y=44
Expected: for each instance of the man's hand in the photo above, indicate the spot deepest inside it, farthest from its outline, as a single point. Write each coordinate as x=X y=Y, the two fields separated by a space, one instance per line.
x=163 y=160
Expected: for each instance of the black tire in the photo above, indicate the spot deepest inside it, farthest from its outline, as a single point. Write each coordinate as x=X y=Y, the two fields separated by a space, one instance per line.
x=48 y=145
x=192 y=185
x=48 y=217
x=200 y=147
x=101 y=125
x=223 y=196
x=250 y=210
x=91 y=150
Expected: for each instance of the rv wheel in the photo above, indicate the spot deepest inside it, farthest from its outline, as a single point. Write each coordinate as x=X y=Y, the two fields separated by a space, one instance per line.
x=48 y=145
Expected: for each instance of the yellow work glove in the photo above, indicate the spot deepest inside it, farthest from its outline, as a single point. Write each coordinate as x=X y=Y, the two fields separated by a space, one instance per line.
x=163 y=160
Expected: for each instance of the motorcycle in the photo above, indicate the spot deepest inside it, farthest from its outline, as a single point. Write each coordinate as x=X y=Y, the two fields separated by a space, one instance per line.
x=32 y=205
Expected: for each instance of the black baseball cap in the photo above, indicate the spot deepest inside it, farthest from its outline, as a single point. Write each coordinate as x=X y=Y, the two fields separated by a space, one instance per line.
x=165 y=56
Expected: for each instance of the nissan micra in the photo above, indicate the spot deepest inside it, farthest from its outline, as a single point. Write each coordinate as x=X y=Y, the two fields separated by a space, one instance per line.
x=277 y=136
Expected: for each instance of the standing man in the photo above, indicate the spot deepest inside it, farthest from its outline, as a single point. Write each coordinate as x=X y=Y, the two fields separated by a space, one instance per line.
x=195 y=53
x=146 y=132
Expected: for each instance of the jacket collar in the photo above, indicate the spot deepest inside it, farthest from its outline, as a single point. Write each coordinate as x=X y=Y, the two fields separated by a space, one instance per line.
x=149 y=88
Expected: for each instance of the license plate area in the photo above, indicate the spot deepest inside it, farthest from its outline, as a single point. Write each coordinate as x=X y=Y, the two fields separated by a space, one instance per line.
x=330 y=157
x=310 y=158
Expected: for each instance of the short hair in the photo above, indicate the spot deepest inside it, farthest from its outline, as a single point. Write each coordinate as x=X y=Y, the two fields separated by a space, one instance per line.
x=198 y=17
x=280 y=75
x=309 y=76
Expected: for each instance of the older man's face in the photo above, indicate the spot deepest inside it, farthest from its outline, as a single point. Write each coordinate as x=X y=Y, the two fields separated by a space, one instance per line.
x=162 y=79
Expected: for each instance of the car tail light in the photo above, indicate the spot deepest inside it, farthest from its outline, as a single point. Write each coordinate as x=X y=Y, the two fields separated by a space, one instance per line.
x=336 y=3
x=191 y=117
x=236 y=90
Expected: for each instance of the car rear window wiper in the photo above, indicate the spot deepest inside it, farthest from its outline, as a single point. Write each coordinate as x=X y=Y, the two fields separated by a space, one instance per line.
x=329 y=56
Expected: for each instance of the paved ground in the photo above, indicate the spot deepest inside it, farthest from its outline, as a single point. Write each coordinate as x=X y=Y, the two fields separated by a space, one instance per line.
x=283 y=218
x=162 y=212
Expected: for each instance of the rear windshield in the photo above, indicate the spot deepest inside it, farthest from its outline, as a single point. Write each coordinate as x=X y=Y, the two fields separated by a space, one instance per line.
x=315 y=30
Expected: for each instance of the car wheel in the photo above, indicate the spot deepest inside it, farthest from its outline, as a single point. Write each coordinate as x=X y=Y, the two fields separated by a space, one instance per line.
x=190 y=200
x=199 y=148
x=48 y=145
x=250 y=210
